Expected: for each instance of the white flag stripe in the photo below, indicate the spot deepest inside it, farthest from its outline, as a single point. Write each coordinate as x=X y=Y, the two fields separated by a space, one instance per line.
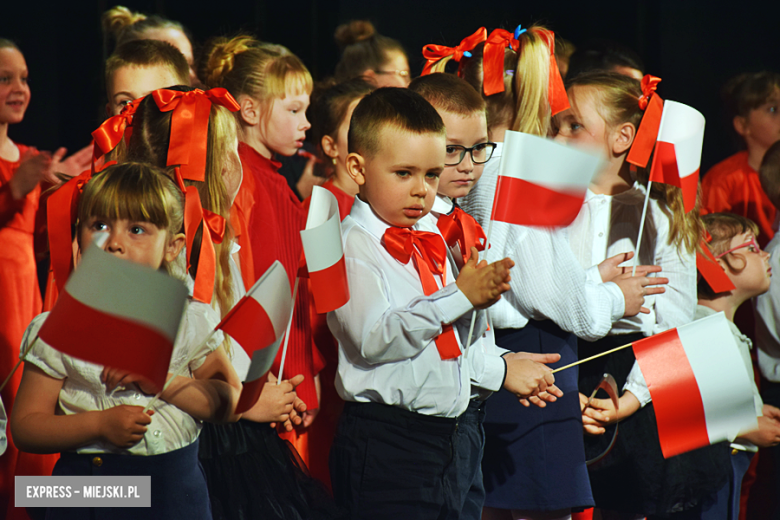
x=725 y=386
x=265 y=292
x=262 y=359
x=547 y=163
x=684 y=127
x=128 y=290
x=322 y=237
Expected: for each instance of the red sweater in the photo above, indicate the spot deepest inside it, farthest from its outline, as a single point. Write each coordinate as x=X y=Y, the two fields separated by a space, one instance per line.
x=270 y=218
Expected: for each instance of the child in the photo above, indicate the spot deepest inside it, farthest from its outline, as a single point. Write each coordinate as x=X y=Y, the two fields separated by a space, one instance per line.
x=138 y=67
x=462 y=110
x=551 y=302
x=74 y=407
x=365 y=52
x=272 y=87
x=400 y=368
x=121 y=25
x=752 y=102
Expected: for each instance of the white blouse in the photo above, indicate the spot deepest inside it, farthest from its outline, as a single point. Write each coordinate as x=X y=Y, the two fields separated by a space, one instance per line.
x=83 y=391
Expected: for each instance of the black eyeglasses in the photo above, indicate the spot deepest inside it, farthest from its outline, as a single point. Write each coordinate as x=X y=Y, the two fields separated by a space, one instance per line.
x=480 y=153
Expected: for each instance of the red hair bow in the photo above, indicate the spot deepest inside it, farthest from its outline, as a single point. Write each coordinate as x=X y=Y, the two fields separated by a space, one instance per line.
x=110 y=133
x=647 y=133
x=434 y=53
x=461 y=228
x=493 y=60
x=556 y=92
x=649 y=85
x=189 y=126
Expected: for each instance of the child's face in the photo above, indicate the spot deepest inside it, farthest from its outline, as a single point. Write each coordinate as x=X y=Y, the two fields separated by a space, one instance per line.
x=400 y=180
x=462 y=131
x=130 y=83
x=286 y=128
x=14 y=90
x=393 y=73
x=754 y=278
x=582 y=125
x=762 y=125
x=140 y=242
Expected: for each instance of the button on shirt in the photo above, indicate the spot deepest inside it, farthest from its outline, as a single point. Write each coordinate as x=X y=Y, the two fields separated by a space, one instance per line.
x=547 y=280
x=386 y=331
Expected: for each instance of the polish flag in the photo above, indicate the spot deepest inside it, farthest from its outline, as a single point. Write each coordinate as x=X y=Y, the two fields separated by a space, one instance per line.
x=324 y=252
x=711 y=270
x=678 y=150
x=117 y=313
x=541 y=182
x=257 y=322
x=702 y=392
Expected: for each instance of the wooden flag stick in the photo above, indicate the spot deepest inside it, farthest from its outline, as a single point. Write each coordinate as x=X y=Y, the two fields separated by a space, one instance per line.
x=21 y=358
x=287 y=333
x=591 y=358
x=641 y=228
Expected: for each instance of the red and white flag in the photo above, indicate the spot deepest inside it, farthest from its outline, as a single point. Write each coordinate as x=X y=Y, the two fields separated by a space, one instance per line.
x=117 y=313
x=678 y=150
x=257 y=322
x=324 y=252
x=702 y=392
x=541 y=182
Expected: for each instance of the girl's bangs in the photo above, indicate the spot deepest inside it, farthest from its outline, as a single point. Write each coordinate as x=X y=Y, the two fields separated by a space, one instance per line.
x=125 y=197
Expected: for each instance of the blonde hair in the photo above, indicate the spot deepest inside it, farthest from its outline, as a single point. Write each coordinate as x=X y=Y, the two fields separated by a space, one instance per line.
x=149 y=53
x=523 y=106
x=617 y=98
x=247 y=67
x=133 y=191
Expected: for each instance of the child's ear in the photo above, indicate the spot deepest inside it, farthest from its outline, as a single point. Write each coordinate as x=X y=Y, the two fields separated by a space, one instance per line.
x=356 y=167
x=250 y=110
x=174 y=247
x=740 y=125
x=329 y=146
x=624 y=138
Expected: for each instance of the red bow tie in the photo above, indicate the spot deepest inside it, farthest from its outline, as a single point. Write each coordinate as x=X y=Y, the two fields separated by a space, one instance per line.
x=460 y=228
x=430 y=256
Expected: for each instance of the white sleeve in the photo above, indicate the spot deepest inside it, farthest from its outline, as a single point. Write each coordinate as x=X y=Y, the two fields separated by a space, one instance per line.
x=487 y=367
x=191 y=346
x=636 y=384
x=3 y=426
x=767 y=321
x=677 y=305
x=42 y=355
x=369 y=327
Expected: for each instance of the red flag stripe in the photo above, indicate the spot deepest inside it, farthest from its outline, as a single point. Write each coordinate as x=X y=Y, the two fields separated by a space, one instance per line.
x=528 y=204
x=690 y=188
x=329 y=287
x=676 y=397
x=122 y=344
x=249 y=324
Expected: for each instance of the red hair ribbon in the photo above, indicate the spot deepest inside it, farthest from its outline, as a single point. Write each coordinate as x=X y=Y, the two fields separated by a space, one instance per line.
x=430 y=258
x=460 y=228
x=710 y=269
x=493 y=60
x=110 y=133
x=213 y=231
x=556 y=92
x=189 y=126
x=647 y=133
x=434 y=53
x=707 y=237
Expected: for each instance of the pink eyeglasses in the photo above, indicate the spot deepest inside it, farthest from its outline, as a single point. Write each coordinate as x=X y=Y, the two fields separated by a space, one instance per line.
x=751 y=242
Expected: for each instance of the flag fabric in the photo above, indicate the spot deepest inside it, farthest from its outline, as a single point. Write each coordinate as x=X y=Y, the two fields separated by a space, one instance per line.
x=711 y=270
x=541 y=182
x=258 y=322
x=702 y=392
x=117 y=313
x=678 y=150
x=324 y=252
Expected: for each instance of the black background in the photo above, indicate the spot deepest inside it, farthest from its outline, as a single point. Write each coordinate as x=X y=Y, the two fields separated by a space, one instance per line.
x=695 y=46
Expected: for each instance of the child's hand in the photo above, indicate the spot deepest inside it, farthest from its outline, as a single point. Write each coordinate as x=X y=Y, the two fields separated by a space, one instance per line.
x=610 y=268
x=72 y=166
x=33 y=169
x=527 y=377
x=124 y=425
x=308 y=416
x=297 y=416
x=483 y=284
x=275 y=402
x=113 y=377
x=635 y=288
x=601 y=412
x=768 y=433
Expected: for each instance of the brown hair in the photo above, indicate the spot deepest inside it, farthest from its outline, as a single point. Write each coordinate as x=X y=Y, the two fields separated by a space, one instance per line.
x=149 y=53
x=769 y=174
x=449 y=93
x=8 y=44
x=723 y=227
x=397 y=107
x=523 y=106
x=123 y=25
x=749 y=91
x=362 y=48
x=617 y=99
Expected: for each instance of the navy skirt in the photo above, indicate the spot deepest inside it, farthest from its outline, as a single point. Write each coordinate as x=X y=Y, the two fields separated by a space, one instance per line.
x=178 y=485
x=534 y=457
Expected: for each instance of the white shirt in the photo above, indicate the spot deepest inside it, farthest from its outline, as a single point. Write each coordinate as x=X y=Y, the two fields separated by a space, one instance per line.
x=547 y=280
x=386 y=331
x=768 y=318
x=3 y=426
x=83 y=391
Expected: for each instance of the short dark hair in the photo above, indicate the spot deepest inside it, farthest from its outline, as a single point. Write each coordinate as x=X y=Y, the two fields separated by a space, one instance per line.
x=603 y=54
x=389 y=106
x=748 y=91
x=449 y=93
x=149 y=53
x=329 y=105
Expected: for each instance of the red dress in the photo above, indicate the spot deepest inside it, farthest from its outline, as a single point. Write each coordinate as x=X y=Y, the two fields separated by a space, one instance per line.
x=324 y=428
x=270 y=219
x=734 y=187
x=20 y=302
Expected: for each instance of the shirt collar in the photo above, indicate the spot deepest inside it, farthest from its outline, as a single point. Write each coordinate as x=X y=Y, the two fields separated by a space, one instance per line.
x=257 y=157
x=363 y=214
x=703 y=311
x=442 y=205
